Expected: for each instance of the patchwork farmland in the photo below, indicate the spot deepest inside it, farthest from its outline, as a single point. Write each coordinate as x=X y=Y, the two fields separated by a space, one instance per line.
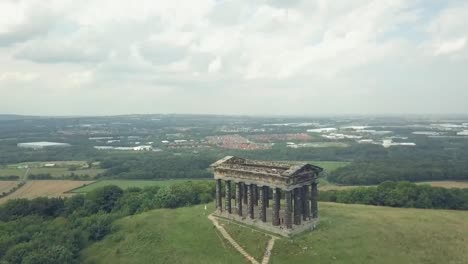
x=43 y=188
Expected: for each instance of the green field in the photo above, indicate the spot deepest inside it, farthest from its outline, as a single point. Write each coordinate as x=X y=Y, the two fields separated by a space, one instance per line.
x=60 y=168
x=164 y=236
x=330 y=166
x=346 y=234
x=54 y=172
x=124 y=184
x=252 y=239
x=36 y=164
x=327 y=165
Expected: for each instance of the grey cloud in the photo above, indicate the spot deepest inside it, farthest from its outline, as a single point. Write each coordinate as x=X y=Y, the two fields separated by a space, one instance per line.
x=161 y=53
x=36 y=25
x=55 y=51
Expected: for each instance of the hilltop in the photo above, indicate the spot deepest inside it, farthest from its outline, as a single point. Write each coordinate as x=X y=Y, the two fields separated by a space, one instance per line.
x=346 y=234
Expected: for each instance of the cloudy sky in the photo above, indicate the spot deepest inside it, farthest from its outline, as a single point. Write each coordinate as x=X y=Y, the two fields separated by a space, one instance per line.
x=99 y=57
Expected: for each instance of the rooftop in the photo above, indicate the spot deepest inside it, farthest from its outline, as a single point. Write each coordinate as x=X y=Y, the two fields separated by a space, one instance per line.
x=267 y=168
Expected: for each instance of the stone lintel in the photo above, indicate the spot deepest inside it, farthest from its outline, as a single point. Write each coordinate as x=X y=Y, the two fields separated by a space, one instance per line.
x=260 y=183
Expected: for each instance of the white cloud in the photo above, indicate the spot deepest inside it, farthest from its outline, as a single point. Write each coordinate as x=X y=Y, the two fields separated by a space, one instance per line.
x=289 y=51
x=18 y=76
x=215 y=65
x=80 y=78
x=450 y=46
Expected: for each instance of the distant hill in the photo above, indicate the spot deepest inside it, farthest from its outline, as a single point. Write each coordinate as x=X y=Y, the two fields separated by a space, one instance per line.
x=346 y=234
x=16 y=117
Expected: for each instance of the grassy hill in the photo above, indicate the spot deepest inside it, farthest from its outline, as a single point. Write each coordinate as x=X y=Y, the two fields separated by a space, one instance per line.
x=347 y=234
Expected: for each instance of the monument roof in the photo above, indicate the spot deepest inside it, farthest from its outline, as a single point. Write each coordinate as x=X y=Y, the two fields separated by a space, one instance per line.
x=272 y=168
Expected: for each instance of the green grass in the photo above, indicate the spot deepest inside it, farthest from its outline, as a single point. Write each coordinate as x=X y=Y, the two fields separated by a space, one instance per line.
x=183 y=235
x=61 y=168
x=33 y=164
x=54 y=172
x=346 y=234
x=124 y=184
x=330 y=166
x=252 y=240
x=370 y=234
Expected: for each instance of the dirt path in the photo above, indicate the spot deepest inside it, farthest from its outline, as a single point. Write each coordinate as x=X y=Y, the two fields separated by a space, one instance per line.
x=225 y=234
x=231 y=240
x=271 y=244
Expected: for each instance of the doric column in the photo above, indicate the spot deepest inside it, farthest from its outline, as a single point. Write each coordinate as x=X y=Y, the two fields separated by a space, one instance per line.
x=250 y=202
x=219 y=205
x=228 y=196
x=297 y=206
x=244 y=192
x=255 y=194
x=261 y=203
x=276 y=206
x=305 y=203
x=314 y=201
x=288 y=210
x=239 y=198
x=267 y=196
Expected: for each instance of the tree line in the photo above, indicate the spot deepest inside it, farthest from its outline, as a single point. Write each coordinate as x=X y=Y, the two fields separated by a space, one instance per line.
x=401 y=194
x=55 y=230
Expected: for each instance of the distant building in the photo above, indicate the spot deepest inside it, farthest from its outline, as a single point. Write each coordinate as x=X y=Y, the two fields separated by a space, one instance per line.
x=426 y=133
x=42 y=144
x=388 y=143
x=355 y=127
x=143 y=148
x=366 y=141
x=103 y=147
x=321 y=130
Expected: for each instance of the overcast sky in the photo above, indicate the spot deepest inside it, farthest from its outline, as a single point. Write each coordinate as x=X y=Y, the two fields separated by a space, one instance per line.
x=99 y=57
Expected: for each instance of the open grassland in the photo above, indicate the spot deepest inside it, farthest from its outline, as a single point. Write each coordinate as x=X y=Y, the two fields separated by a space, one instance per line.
x=36 y=164
x=370 y=234
x=60 y=168
x=45 y=188
x=6 y=186
x=182 y=235
x=330 y=166
x=54 y=172
x=254 y=241
x=447 y=184
x=346 y=234
x=124 y=184
x=325 y=185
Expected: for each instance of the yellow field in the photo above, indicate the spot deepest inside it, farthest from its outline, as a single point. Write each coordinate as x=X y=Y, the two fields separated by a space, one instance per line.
x=447 y=184
x=5 y=186
x=327 y=186
x=48 y=188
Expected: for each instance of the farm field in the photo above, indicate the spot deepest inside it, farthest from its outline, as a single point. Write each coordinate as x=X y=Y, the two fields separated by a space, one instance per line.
x=346 y=234
x=447 y=184
x=5 y=186
x=330 y=166
x=33 y=164
x=325 y=185
x=49 y=188
x=124 y=184
x=60 y=168
x=54 y=172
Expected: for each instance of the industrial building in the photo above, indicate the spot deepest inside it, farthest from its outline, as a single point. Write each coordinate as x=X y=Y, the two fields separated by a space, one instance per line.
x=42 y=144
